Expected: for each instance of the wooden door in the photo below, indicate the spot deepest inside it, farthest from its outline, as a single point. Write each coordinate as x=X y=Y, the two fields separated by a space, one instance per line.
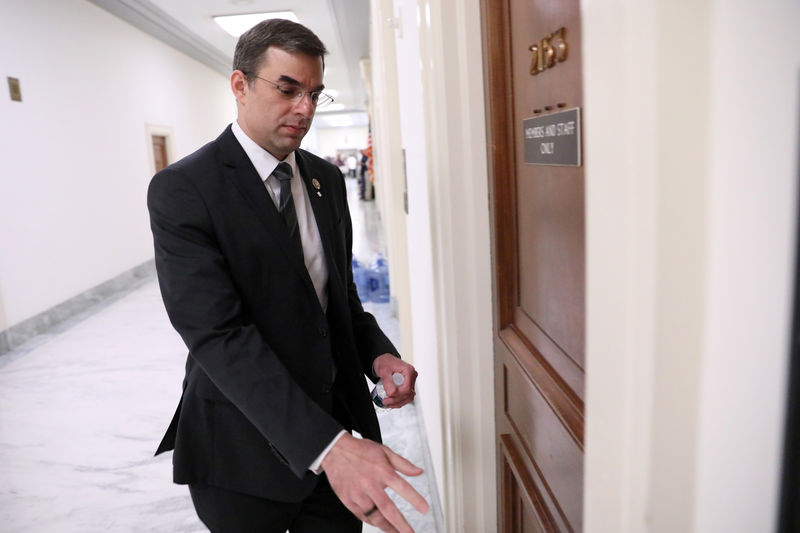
x=533 y=69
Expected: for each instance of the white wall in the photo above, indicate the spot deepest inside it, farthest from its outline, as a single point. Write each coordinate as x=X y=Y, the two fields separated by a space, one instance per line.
x=690 y=235
x=430 y=75
x=753 y=178
x=420 y=259
x=74 y=160
x=456 y=156
x=311 y=141
x=621 y=207
x=381 y=75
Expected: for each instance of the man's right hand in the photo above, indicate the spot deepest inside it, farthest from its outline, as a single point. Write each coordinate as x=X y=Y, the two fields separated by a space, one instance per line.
x=359 y=470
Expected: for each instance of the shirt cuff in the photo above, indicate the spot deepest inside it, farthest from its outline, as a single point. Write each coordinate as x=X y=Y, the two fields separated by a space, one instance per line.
x=316 y=466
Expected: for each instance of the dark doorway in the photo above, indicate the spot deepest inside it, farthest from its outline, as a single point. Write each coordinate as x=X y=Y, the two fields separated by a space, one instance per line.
x=160 y=152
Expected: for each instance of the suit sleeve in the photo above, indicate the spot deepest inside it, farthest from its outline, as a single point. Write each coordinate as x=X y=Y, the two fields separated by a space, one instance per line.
x=205 y=308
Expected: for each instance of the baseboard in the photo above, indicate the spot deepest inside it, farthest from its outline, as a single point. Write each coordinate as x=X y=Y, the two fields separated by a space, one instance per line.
x=18 y=334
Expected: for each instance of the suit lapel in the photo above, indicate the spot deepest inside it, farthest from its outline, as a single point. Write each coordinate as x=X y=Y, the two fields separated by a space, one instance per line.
x=240 y=171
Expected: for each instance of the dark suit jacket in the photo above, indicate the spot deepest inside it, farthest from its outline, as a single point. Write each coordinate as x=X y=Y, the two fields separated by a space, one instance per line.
x=259 y=394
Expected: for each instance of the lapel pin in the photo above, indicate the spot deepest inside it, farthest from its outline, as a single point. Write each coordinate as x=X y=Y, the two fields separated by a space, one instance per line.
x=315 y=183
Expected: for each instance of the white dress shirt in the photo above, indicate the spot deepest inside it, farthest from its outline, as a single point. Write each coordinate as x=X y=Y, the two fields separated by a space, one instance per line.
x=313 y=253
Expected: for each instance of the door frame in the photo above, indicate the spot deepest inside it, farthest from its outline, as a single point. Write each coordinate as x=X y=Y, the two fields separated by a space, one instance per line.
x=161 y=131
x=453 y=95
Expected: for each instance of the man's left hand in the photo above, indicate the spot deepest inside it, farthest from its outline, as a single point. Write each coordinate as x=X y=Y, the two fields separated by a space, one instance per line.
x=396 y=396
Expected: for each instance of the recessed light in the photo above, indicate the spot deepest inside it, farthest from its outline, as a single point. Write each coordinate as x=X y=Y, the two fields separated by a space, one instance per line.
x=238 y=24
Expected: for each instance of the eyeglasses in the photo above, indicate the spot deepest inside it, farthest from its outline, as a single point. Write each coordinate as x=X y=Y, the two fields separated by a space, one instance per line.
x=295 y=94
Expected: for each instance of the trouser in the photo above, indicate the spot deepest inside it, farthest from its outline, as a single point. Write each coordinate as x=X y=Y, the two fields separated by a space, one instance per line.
x=224 y=511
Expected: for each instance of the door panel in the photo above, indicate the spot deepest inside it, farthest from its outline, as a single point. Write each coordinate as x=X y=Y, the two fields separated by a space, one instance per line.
x=539 y=267
x=526 y=510
x=549 y=198
x=563 y=366
x=545 y=438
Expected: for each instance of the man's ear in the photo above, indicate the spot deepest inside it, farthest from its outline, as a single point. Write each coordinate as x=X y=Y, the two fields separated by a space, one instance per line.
x=239 y=85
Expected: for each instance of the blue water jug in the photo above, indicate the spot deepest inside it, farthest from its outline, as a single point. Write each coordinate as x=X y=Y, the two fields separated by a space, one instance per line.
x=361 y=279
x=379 y=280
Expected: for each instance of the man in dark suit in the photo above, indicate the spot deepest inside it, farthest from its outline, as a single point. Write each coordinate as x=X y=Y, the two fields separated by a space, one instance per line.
x=253 y=252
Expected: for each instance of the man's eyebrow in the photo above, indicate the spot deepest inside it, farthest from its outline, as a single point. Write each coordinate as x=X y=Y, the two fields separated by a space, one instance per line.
x=291 y=81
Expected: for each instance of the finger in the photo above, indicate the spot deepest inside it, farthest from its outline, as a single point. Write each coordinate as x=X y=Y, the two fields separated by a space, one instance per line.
x=403 y=487
x=412 y=379
x=397 y=404
x=399 y=393
x=394 y=390
x=400 y=463
x=405 y=388
x=363 y=508
x=383 y=525
x=394 y=519
x=369 y=512
x=397 y=401
x=408 y=383
x=378 y=520
x=402 y=368
x=405 y=394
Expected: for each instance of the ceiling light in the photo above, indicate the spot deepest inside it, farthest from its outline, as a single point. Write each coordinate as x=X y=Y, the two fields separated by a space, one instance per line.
x=238 y=24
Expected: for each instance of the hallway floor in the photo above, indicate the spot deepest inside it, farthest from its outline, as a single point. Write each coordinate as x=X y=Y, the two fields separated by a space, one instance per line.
x=83 y=407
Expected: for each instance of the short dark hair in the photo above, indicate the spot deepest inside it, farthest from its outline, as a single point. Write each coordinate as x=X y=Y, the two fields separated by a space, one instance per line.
x=280 y=33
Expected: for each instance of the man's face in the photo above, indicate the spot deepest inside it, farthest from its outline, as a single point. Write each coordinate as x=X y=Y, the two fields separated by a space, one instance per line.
x=276 y=123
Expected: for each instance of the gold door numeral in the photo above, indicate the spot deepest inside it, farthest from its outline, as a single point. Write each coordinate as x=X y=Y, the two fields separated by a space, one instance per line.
x=549 y=51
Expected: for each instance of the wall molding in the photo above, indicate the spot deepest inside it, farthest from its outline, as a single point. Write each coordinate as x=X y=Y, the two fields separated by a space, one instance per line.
x=455 y=132
x=18 y=334
x=145 y=16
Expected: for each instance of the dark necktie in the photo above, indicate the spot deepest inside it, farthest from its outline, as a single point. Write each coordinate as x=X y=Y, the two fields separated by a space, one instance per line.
x=283 y=172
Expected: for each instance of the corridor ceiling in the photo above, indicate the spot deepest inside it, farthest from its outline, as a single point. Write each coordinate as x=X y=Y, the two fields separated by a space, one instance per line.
x=343 y=25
